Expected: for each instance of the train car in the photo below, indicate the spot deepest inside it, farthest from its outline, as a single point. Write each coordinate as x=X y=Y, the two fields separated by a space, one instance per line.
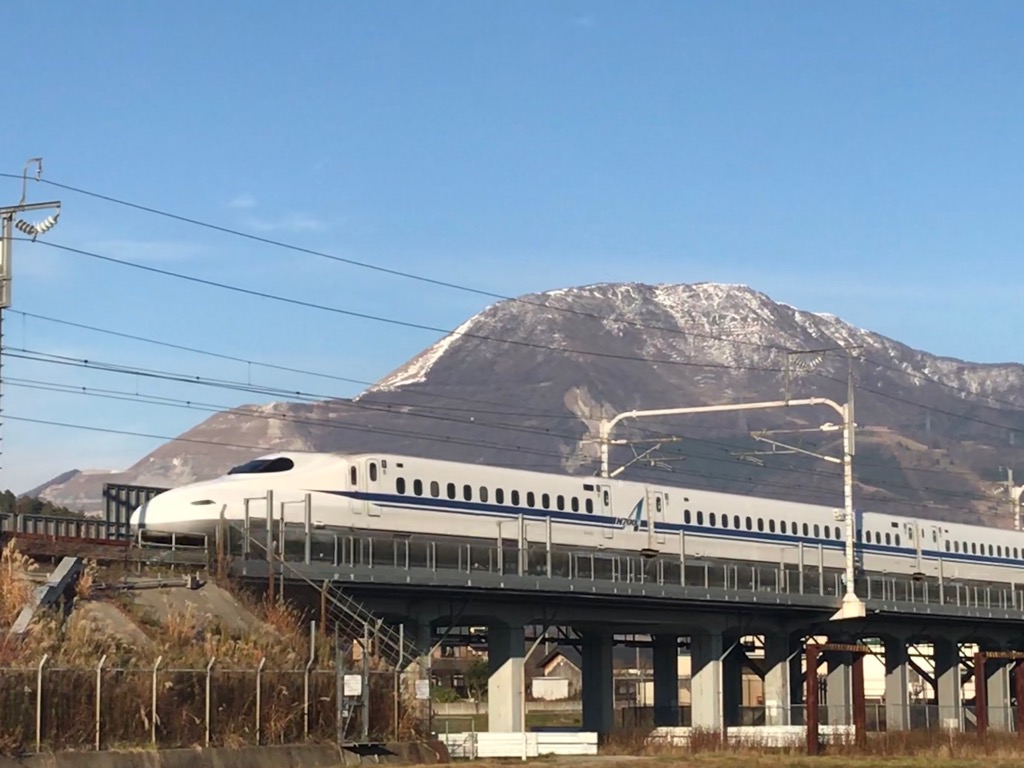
x=391 y=494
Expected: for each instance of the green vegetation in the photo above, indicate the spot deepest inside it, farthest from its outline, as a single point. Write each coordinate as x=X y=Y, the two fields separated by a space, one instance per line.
x=27 y=505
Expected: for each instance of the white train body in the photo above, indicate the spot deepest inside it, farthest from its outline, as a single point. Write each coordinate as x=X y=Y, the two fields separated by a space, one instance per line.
x=429 y=498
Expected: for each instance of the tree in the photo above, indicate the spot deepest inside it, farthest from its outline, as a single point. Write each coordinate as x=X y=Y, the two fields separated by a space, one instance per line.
x=477 y=676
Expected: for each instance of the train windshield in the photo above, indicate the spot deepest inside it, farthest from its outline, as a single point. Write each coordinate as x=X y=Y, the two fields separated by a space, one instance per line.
x=259 y=466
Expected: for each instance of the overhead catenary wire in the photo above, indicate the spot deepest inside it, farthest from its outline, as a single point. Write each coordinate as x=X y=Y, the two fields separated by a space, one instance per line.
x=672 y=330
x=296 y=394
x=476 y=443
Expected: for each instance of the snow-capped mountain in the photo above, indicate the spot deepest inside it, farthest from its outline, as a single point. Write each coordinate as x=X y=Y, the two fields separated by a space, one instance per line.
x=524 y=382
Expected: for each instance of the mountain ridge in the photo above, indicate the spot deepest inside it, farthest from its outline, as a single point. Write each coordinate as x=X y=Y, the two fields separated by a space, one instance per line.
x=553 y=363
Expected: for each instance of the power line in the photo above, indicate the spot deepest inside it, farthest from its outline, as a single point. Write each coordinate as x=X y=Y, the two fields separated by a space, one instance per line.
x=389 y=271
x=402 y=323
x=218 y=408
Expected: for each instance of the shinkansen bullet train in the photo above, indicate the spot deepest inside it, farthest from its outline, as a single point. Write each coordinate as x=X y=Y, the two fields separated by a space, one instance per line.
x=437 y=499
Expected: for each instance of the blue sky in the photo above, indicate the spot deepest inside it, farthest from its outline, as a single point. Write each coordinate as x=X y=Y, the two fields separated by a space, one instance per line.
x=862 y=159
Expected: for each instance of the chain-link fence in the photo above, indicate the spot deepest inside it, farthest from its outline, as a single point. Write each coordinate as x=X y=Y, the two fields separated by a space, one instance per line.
x=54 y=707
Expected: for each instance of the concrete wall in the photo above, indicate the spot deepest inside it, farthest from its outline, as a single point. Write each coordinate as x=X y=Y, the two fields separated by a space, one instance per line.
x=464 y=708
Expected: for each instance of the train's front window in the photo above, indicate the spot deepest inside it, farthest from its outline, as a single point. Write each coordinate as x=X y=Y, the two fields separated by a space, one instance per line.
x=260 y=466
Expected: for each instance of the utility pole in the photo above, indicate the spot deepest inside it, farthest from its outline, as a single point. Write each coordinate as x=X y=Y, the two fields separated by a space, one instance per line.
x=1014 y=492
x=33 y=230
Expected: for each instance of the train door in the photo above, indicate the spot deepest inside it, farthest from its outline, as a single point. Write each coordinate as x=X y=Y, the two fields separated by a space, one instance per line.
x=656 y=516
x=938 y=544
x=373 y=472
x=604 y=505
x=913 y=537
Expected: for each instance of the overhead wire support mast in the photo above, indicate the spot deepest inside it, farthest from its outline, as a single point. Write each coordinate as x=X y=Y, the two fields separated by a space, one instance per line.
x=852 y=606
x=10 y=222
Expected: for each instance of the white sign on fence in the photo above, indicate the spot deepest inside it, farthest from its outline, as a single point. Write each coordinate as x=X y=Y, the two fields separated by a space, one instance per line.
x=352 y=685
x=422 y=690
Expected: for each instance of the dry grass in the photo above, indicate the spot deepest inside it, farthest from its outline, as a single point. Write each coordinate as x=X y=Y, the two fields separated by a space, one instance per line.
x=902 y=748
x=184 y=641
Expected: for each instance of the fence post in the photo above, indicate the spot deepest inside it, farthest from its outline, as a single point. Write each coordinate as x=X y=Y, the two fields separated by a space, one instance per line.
x=152 y=721
x=259 y=691
x=308 y=509
x=305 y=681
x=99 y=699
x=366 y=681
x=39 y=703
x=209 y=672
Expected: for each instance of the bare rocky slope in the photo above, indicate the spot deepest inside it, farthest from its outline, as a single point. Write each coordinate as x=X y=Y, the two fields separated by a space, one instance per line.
x=522 y=383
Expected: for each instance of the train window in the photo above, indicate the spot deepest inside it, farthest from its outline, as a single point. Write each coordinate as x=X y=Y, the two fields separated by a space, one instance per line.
x=760 y=523
x=749 y=524
x=999 y=551
x=736 y=522
x=711 y=519
x=483 y=493
x=280 y=464
x=417 y=487
x=590 y=506
x=373 y=471
x=575 y=504
x=352 y=475
x=782 y=527
x=725 y=521
x=499 y=495
x=974 y=547
x=467 y=492
x=515 y=498
x=805 y=529
x=657 y=503
x=828 y=532
x=560 y=502
x=878 y=538
x=896 y=537
x=700 y=517
x=947 y=546
x=435 y=489
x=956 y=546
x=888 y=539
x=545 y=500
x=771 y=525
x=607 y=499
x=989 y=550
x=400 y=484
x=686 y=516
x=817 y=532
x=838 y=535
x=451 y=490
x=530 y=499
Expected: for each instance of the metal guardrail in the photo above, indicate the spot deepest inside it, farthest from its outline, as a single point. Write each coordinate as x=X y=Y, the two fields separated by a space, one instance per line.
x=301 y=546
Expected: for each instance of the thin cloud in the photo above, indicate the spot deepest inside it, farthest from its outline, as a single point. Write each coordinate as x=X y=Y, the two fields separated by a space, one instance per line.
x=293 y=222
x=147 y=250
x=242 y=202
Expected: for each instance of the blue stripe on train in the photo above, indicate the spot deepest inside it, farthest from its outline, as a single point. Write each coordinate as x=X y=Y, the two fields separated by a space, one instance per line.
x=395 y=501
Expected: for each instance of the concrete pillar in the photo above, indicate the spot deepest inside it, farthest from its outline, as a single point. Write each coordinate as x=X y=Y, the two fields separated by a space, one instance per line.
x=838 y=689
x=1000 y=712
x=732 y=682
x=666 y=680
x=706 y=680
x=777 y=678
x=897 y=684
x=947 y=679
x=506 y=646
x=598 y=691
